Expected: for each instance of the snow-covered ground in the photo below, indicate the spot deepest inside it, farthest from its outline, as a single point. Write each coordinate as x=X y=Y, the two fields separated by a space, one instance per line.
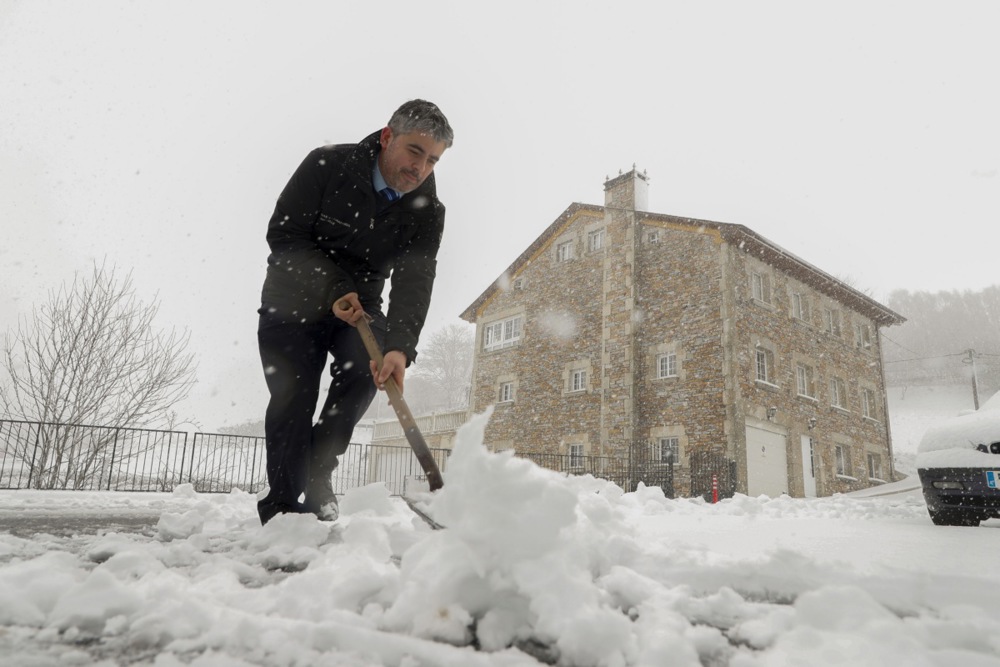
x=533 y=567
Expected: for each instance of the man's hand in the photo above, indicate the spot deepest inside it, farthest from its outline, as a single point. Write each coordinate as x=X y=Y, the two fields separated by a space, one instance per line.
x=393 y=365
x=348 y=308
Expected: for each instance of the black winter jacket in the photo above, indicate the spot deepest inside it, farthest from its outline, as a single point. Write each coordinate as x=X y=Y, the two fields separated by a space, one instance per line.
x=327 y=239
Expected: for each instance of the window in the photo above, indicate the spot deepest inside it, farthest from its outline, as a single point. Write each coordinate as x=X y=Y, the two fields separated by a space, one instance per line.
x=765 y=363
x=863 y=336
x=868 y=404
x=576 y=377
x=506 y=394
x=843 y=461
x=875 y=467
x=666 y=450
x=564 y=251
x=595 y=240
x=760 y=287
x=838 y=394
x=576 y=456
x=831 y=321
x=653 y=236
x=757 y=286
x=666 y=365
x=800 y=306
x=504 y=333
x=804 y=381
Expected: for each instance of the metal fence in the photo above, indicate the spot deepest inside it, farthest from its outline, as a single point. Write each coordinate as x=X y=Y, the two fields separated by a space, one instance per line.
x=221 y=462
x=37 y=455
x=711 y=468
x=704 y=469
x=614 y=469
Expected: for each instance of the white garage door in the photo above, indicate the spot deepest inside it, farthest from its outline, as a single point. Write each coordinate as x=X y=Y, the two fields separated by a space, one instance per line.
x=767 y=463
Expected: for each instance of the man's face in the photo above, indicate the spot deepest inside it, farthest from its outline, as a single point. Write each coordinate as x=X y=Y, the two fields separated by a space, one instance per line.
x=407 y=160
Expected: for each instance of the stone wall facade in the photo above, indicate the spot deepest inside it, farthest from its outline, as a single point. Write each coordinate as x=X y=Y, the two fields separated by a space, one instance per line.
x=558 y=303
x=834 y=352
x=620 y=330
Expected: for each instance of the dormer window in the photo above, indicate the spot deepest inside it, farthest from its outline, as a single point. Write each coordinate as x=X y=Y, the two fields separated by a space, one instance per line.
x=595 y=240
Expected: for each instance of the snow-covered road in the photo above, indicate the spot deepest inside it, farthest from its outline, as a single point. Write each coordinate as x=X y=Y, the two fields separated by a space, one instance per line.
x=533 y=567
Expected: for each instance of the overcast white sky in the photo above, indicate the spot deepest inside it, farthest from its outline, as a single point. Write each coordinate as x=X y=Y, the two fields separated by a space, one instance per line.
x=861 y=136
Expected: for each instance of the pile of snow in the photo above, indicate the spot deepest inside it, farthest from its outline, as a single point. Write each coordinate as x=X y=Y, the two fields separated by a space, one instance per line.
x=953 y=442
x=534 y=567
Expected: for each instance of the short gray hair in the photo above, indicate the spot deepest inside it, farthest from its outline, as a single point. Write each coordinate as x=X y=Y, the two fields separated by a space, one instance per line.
x=423 y=117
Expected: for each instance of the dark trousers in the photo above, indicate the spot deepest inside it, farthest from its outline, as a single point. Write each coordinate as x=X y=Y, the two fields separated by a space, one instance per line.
x=300 y=453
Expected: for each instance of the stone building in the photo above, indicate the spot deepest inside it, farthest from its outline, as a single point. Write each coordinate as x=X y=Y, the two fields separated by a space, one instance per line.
x=628 y=335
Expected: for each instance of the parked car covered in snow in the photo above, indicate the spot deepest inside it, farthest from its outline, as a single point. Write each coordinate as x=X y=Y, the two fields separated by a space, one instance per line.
x=958 y=462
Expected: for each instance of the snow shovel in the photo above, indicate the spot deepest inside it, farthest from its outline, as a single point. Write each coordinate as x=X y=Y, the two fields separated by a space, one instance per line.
x=406 y=420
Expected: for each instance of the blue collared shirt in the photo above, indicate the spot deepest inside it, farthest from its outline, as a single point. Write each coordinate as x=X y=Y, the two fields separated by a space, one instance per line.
x=379 y=183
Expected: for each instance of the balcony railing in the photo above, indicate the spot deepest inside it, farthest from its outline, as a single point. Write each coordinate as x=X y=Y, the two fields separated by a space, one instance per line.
x=428 y=424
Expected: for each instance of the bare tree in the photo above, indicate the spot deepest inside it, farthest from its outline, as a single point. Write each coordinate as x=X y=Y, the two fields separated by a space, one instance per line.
x=90 y=356
x=446 y=364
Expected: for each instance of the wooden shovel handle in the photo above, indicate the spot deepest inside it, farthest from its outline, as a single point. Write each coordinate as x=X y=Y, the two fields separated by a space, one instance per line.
x=402 y=410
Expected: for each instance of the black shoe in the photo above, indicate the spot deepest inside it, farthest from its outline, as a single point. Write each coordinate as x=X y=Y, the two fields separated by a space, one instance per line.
x=320 y=498
x=267 y=509
x=328 y=511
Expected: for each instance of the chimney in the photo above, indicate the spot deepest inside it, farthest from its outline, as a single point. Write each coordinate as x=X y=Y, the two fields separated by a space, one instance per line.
x=629 y=190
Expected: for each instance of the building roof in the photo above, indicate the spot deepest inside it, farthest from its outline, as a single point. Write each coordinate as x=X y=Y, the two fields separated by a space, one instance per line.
x=737 y=236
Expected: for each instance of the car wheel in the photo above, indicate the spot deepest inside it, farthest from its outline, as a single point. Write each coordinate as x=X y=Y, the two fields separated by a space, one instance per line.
x=953 y=518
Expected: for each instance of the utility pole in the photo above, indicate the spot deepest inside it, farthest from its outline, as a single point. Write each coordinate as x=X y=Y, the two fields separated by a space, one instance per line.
x=975 y=380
